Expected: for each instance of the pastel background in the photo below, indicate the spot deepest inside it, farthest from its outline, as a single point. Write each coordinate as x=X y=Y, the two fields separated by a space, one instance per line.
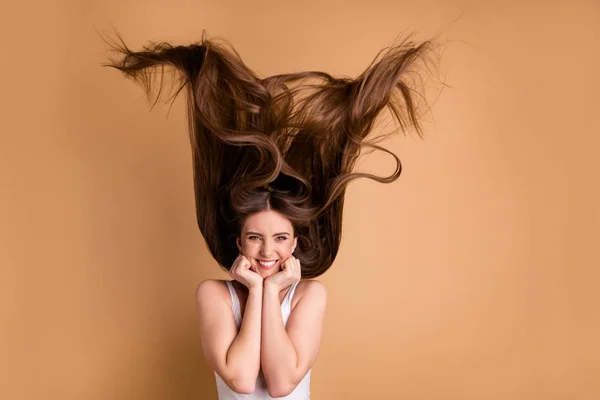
x=474 y=276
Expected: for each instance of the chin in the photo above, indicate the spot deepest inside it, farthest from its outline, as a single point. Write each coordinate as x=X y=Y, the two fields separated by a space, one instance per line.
x=267 y=273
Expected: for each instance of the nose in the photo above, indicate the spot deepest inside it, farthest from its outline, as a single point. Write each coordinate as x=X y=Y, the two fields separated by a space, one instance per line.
x=266 y=249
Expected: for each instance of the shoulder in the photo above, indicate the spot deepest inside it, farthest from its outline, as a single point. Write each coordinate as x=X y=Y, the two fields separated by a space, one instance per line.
x=310 y=289
x=211 y=289
x=312 y=286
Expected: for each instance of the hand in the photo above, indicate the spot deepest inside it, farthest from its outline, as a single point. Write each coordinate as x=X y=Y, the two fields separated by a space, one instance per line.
x=289 y=274
x=241 y=272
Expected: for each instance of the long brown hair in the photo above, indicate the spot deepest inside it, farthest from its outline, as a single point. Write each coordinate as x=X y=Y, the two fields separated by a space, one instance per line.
x=287 y=142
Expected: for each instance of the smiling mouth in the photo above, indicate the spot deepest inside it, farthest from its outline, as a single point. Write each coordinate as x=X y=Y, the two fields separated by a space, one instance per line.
x=266 y=264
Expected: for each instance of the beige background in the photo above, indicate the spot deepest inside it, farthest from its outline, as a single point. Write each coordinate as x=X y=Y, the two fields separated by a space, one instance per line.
x=475 y=276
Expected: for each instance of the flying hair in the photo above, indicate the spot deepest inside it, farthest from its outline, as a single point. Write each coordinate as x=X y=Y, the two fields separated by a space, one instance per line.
x=286 y=142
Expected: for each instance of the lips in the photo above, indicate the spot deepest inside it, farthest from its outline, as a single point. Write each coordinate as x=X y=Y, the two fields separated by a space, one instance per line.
x=266 y=264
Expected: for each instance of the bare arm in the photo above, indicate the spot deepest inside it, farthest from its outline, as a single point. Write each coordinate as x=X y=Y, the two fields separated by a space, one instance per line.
x=287 y=354
x=234 y=355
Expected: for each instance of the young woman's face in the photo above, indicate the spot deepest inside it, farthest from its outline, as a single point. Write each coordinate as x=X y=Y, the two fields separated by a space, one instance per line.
x=267 y=240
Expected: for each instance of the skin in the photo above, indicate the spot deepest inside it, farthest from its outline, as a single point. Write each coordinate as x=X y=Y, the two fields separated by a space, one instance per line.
x=266 y=236
x=284 y=353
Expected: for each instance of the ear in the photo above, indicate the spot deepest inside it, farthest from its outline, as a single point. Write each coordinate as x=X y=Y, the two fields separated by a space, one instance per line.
x=238 y=241
x=295 y=244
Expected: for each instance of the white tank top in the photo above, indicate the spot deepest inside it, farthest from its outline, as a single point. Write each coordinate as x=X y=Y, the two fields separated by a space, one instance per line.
x=301 y=392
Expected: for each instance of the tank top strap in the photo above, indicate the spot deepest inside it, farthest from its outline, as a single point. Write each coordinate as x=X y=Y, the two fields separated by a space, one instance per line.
x=286 y=305
x=235 y=304
x=290 y=294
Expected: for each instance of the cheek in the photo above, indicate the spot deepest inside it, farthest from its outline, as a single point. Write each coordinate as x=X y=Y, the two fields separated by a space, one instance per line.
x=250 y=248
x=287 y=249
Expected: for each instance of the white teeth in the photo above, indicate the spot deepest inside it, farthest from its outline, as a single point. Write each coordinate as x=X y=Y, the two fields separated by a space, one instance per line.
x=267 y=264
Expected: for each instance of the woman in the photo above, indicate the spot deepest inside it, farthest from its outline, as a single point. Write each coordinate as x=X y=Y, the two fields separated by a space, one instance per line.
x=272 y=159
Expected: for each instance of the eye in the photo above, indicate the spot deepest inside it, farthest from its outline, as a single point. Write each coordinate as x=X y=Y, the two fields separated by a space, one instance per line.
x=282 y=238
x=253 y=237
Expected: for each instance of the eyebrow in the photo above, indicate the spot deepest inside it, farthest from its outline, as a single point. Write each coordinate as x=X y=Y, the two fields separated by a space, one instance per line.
x=258 y=234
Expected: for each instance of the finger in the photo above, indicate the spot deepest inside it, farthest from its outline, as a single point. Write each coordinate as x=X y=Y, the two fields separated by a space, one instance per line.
x=236 y=266
x=246 y=263
x=291 y=269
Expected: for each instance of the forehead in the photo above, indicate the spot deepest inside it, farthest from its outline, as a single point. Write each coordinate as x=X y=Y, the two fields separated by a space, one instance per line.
x=267 y=222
